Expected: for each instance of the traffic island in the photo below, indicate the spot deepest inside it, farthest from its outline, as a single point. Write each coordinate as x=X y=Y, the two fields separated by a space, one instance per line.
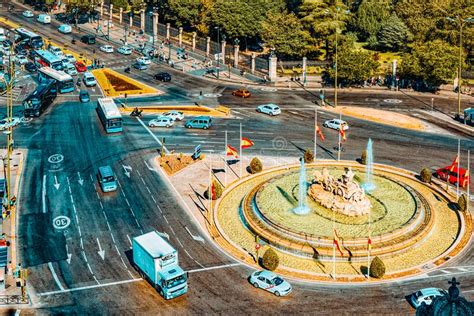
x=174 y=163
x=191 y=110
x=114 y=84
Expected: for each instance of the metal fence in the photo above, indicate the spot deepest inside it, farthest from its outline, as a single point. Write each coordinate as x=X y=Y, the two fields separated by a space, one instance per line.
x=13 y=299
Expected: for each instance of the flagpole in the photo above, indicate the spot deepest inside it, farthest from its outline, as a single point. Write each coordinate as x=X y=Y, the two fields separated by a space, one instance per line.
x=240 y=152
x=469 y=180
x=339 y=140
x=315 y=130
x=459 y=158
x=334 y=245
x=225 y=160
x=369 y=248
x=209 y=192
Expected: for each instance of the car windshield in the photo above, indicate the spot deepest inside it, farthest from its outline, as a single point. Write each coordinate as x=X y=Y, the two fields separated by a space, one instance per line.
x=174 y=282
x=277 y=281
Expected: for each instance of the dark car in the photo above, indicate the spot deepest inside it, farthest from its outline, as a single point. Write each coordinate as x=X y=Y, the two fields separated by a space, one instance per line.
x=41 y=7
x=88 y=39
x=61 y=17
x=84 y=96
x=83 y=19
x=20 y=49
x=31 y=67
x=163 y=76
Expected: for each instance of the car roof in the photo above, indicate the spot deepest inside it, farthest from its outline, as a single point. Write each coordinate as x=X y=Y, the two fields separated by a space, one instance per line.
x=273 y=105
x=268 y=274
x=430 y=291
x=106 y=171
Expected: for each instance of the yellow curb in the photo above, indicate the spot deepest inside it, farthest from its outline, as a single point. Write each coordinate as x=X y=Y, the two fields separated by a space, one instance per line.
x=9 y=23
x=380 y=116
x=109 y=90
x=186 y=109
x=13 y=213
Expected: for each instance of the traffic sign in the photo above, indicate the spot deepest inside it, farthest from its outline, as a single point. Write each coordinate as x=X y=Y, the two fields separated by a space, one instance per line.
x=197 y=152
x=258 y=246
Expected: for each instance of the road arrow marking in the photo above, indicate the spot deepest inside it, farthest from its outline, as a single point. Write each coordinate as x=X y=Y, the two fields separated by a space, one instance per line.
x=81 y=181
x=56 y=183
x=69 y=256
x=164 y=235
x=100 y=252
x=196 y=238
x=127 y=170
x=148 y=166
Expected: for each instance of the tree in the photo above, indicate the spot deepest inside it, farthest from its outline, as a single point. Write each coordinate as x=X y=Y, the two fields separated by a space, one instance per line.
x=308 y=156
x=370 y=17
x=377 y=268
x=185 y=12
x=217 y=190
x=121 y=4
x=425 y=175
x=363 y=157
x=462 y=203
x=394 y=35
x=255 y=165
x=284 y=32
x=354 y=65
x=270 y=260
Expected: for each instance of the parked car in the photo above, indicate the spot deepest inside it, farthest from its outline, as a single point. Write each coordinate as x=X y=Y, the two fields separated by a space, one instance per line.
x=203 y=122
x=80 y=66
x=20 y=49
x=336 y=124
x=84 y=96
x=426 y=296
x=70 y=58
x=144 y=60
x=70 y=69
x=61 y=17
x=270 y=109
x=56 y=51
x=44 y=18
x=31 y=67
x=140 y=66
x=28 y=14
x=270 y=282
x=21 y=59
x=125 y=50
x=163 y=76
x=89 y=79
x=6 y=123
x=161 y=121
x=107 y=49
x=83 y=18
x=174 y=115
x=65 y=29
x=244 y=93
x=88 y=39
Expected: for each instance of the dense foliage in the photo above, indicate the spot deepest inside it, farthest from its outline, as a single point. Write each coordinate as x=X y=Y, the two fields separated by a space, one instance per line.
x=270 y=259
x=377 y=268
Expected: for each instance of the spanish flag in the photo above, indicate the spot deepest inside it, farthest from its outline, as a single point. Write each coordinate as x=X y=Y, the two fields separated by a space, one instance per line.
x=231 y=151
x=246 y=143
x=369 y=244
x=337 y=244
x=343 y=133
x=320 y=133
x=213 y=190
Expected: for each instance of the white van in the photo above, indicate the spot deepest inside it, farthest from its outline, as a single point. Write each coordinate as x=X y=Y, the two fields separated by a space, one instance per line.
x=44 y=18
x=65 y=29
x=3 y=36
x=89 y=79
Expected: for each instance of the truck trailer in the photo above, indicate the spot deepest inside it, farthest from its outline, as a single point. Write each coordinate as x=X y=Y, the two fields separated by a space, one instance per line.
x=157 y=261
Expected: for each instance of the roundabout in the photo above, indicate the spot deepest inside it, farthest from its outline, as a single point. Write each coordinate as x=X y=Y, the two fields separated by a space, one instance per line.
x=411 y=226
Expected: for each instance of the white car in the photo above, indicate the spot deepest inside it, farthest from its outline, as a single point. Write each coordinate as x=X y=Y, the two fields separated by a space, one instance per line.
x=65 y=29
x=174 y=115
x=21 y=59
x=125 y=50
x=70 y=69
x=28 y=14
x=5 y=123
x=336 y=124
x=56 y=51
x=270 y=109
x=426 y=296
x=161 y=121
x=70 y=58
x=270 y=282
x=107 y=49
x=144 y=60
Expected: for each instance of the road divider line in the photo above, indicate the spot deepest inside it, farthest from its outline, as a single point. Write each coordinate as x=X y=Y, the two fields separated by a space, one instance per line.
x=148 y=189
x=90 y=269
x=172 y=230
x=89 y=287
x=92 y=179
x=129 y=240
x=113 y=238
x=96 y=279
x=101 y=206
x=166 y=219
x=152 y=135
x=126 y=201
x=55 y=276
x=84 y=255
x=43 y=194
x=153 y=198
x=216 y=267
x=179 y=242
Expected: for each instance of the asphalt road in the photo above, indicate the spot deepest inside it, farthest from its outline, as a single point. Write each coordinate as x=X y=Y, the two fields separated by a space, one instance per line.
x=144 y=202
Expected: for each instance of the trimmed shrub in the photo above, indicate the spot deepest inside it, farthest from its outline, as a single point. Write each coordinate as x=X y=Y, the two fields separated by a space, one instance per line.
x=217 y=189
x=363 y=157
x=425 y=175
x=377 y=268
x=255 y=165
x=270 y=259
x=308 y=156
x=462 y=203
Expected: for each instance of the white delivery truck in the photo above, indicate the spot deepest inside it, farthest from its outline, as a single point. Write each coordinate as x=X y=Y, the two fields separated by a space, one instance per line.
x=44 y=18
x=157 y=261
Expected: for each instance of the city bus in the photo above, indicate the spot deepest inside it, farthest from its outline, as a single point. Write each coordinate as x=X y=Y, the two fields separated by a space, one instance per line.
x=109 y=115
x=47 y=59
x=40 y=99
x=64 y=81
x=33 y=40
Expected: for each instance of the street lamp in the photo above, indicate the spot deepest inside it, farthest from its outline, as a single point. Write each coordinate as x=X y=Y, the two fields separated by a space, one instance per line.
x=218 y=49
x=460 y=21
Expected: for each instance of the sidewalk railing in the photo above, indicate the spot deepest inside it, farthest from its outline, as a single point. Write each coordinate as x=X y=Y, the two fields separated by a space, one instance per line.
x=13 y=299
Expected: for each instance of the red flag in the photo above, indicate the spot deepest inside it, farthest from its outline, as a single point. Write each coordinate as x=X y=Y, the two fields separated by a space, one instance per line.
x=454 y=164
x=213 y=190
x=246 y=143
x=336 y=242
x=343 y=133
x=369 y=244
x=320 y=133
x=231 y=151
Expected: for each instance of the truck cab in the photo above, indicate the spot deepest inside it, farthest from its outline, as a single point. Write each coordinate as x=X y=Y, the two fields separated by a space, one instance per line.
x=157 y=261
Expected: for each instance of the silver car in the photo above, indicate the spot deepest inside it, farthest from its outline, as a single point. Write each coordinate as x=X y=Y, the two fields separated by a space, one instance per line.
x=270 y=282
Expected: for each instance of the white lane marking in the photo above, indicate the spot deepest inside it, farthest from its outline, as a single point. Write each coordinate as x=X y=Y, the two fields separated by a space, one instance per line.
x=152 y=135
x=101 y=252
x=118 y=251
x=92 y=179
x=97 y=193
x=82 y=245
x=126 y=201
x=148 y=189
x=197 y=238
x=96 y=279
x=90 y=269
x=188 y=254
x=166 y=219
x=43 y=194
x=172 y=230
x=89 y=287
x=130 y=273
x=123 y=262
x=85 y=257
x=179 y=242
x=79 y=229
x=138 y=172
x=69 y=185
x=138 y=224
x=148 y=166
x=215 y=267
x=144 y=183
x=153 y=198
x=55 y=277
x=129 y=240
x=101 y=206
x=75 y=211
x=112 y=235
